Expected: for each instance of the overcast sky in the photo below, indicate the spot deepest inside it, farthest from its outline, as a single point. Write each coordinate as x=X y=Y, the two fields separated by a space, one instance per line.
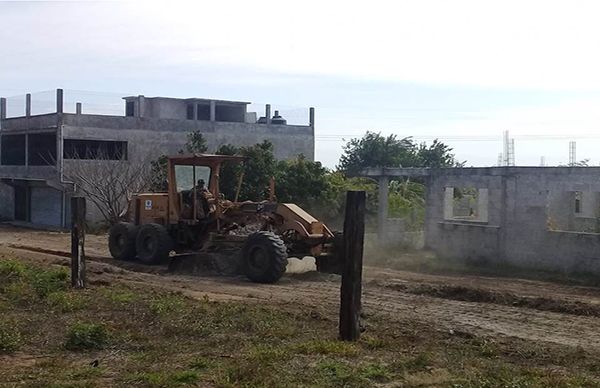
x=462 y=71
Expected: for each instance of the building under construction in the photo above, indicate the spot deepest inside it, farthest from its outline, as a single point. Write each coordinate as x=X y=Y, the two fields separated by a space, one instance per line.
x=36 y=148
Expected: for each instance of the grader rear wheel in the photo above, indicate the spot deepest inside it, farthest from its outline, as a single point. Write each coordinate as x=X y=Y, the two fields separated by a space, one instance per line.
x=264 y=257
x=121 y=241
x=153 y=244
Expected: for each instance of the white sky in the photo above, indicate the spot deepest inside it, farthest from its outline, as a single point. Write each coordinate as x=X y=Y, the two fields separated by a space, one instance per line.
x=463 y=71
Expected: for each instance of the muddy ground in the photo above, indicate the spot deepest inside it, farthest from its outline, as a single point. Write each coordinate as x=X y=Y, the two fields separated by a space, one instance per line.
x=462 y=304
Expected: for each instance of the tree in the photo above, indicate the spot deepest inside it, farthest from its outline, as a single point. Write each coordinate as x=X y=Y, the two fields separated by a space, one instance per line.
x=196 y=143
x=230 y=172
x=436 y=155
x=108 y=183
x=375 y=150
x=158 y=168
x=301 y=181
x=158 y=174
x=259 y=167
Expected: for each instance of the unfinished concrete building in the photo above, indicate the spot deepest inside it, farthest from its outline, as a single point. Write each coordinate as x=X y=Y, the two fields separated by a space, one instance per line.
x=36 y=148
x=545 y=218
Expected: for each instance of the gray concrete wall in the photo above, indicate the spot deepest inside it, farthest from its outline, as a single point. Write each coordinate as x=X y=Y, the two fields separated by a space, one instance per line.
x=518 y=231
x=30 y=124
x=7 y=210
x=157 y=136
x=148 y=137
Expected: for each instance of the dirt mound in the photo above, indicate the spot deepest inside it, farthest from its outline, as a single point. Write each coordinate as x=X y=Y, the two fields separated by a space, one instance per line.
x=469 y=294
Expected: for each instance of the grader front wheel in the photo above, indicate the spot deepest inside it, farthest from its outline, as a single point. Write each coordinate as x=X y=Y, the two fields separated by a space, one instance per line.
x=264 y=257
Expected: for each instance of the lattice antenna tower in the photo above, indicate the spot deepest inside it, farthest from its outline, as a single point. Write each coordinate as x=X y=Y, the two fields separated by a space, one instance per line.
x=505 y=147
x=572 y=153
x=511 y=152
x=500 y=158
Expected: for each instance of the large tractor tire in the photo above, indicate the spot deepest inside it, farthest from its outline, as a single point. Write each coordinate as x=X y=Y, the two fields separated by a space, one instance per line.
x=121 y=241
x=153 y=244
x=264 y=257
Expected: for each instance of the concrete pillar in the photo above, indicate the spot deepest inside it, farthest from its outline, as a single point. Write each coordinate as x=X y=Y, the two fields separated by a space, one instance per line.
x=382 y=211
x=2 y=108
x=26 y=150
x=311 y=117
x=448 y=203
x=268 y=113
x=78 y=108
x=59 y=101
x=141 y=106
x=213 y=111
x=28 y=104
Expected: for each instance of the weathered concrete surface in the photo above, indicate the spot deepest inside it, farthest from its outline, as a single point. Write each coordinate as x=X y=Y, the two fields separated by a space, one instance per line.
x=7 y=210
x=531 y=219
x=147 y=138
x=169 y=136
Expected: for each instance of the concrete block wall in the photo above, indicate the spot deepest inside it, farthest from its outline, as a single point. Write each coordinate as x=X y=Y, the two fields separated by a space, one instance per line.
x=159 y=136
x=517 y=232
x=459 y=239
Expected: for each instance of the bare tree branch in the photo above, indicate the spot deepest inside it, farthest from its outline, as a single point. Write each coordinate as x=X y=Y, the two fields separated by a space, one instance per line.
x=108 y=182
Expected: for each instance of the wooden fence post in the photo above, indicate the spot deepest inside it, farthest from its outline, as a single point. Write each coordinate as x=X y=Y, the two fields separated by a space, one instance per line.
x=354 y=235
x=77 y=242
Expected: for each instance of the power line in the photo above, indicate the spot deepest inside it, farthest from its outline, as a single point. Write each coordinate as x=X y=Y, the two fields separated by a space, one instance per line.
x=338 y=137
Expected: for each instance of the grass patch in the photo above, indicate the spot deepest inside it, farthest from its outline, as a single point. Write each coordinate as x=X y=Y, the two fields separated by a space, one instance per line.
x=164 y=378
x=20 y=283
x=373 y=343
x=165 y=304
x=376 y=372
x=338 y=373
x=10 y=337
x=329 y=347
x=413 y=364
x=149 y=337
x=84 y=336
x=119 y=295
x=66 y=301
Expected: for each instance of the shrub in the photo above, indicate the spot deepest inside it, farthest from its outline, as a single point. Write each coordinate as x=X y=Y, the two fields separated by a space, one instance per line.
x=46 y=282
x=83 y=336
x=11 y=270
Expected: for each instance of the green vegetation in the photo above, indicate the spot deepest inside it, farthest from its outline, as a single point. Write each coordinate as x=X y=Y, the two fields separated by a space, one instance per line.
x=82 y=336
x=10 y=337
x=319 y=190
x=138 y=335
x=375 y=150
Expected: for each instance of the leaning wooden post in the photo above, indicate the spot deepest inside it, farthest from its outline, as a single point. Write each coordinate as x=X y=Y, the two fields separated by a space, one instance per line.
x=77 y=242
x=354 y=235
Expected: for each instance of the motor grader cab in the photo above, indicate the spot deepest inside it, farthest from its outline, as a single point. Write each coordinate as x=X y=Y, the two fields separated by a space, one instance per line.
x=193 y=216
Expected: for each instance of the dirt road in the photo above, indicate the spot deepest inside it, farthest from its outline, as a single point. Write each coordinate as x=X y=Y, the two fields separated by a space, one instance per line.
x=470 y=305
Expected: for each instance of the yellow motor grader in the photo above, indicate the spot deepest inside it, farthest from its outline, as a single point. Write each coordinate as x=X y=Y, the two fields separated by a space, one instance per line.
x=193 y=217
